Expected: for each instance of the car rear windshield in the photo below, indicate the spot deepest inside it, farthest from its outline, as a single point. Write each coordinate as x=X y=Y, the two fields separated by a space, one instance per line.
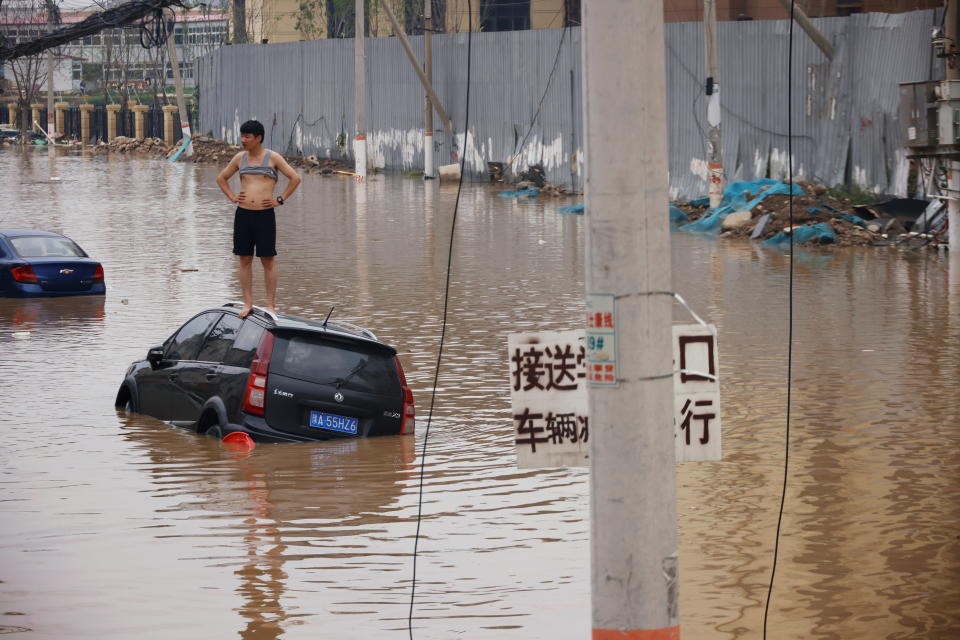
x=347 y=366
x=46 y=247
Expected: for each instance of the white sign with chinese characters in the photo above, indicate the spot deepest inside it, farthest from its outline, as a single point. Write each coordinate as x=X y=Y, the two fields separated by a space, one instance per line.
x=696 y=391
x=548 y=394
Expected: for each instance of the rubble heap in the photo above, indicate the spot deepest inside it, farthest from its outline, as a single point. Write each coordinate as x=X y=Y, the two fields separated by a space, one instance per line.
x=819 y=217
x=207 y=150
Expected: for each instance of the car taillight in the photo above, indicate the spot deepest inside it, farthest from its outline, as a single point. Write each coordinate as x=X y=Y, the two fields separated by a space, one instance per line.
x=408 y=421
x=25 y=274
x=98 y=273
x=254 y=398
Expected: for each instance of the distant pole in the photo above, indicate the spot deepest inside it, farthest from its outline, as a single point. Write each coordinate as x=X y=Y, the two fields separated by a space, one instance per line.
x=51 y=111
x=360 y=142
x=632 y=469
x=714 y=150
x=428 y=169
x=51 y=103
x=178 y=85
x=953 y=167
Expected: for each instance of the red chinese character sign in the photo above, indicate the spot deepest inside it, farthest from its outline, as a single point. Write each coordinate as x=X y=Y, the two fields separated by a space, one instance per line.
x=696 y=389
x=548 y=394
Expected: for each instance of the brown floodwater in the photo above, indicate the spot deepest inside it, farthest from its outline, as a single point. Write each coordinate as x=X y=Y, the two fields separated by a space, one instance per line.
x=119 y=526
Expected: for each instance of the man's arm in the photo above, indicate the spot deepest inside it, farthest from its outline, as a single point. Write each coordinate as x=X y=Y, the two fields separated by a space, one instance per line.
x=224 y=177
x=293 y=178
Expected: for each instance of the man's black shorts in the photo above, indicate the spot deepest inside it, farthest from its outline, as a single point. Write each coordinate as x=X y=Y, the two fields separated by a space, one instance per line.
x=255 y=229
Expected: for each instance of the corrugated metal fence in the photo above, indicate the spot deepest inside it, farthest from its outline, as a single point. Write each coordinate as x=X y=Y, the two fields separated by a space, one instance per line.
x=525 y=99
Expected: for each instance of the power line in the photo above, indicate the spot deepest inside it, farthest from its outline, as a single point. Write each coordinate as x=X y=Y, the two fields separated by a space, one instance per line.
x=443 y=327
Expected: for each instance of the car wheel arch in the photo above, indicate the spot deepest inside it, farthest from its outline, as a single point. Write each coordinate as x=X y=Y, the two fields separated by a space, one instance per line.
x=212 y=413
x=127 y=393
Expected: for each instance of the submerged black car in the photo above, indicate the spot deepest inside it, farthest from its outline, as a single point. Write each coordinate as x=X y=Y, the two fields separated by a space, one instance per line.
x=276 y=377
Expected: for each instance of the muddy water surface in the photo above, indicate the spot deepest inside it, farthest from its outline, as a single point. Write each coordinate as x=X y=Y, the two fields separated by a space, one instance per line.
x=118 y=526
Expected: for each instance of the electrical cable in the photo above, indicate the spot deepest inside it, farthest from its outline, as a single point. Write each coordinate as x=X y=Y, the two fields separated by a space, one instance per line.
x=443 y=323
x=546 y=88
x=786 y=446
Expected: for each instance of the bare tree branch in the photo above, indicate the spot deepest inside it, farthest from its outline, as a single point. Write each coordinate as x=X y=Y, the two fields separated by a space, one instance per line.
x=116 y=17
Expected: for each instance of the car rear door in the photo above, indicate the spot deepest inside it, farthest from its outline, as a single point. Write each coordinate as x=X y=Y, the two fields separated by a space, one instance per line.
x=204 y=378
x=324 y=386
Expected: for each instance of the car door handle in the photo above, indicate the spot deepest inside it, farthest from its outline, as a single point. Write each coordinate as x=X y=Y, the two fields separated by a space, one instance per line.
x=211 y=376
x=173 y=376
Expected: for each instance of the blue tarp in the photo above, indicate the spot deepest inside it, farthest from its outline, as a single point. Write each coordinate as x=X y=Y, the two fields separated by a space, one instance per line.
x=677 y=217
x=820 y=233
x=529 y=192
x=739 y=196
x=576 y=209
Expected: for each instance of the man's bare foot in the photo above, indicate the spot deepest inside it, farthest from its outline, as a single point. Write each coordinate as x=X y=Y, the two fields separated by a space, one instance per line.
x=246 y=311
x=271 y=310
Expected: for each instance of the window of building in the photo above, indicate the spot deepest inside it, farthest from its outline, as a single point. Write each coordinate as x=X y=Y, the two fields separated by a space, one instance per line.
x=504 y=15
x=849 y=7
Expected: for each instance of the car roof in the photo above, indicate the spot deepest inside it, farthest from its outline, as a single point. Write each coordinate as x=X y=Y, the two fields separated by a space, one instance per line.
x=288 y=322
x=21 y=233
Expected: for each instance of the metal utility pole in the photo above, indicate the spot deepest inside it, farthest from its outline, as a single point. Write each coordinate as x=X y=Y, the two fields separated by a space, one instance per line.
x=360 y=78
x=633 y=492
x=428 y=169
x=714 y=150
x=178 y=85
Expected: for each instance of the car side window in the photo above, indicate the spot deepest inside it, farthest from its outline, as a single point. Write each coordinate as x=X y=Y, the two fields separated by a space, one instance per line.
x=245 y=346
x=186 y=344
x=220 y=339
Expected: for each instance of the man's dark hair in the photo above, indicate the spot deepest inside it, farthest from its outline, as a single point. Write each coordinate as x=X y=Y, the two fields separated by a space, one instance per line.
x=254 y=127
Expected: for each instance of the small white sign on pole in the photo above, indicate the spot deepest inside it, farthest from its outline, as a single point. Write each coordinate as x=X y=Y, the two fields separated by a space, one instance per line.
x=696 y=390
x=548 y=394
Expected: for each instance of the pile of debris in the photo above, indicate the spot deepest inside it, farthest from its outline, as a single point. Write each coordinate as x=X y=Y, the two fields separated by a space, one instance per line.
x=761 y=210
x=323 y=166
x=123 y=144
x=207 y=150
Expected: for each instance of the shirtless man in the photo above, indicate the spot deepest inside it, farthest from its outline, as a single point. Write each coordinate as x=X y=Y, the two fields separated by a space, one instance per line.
x=254 y=223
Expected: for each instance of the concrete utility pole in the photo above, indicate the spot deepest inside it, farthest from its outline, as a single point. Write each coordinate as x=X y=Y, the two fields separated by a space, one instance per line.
x=178 y=85
x=807 y=25
x=952 y=31
x=427 y=86
x=428 y=169
x=51 y=110
x=360 y=78
x=633 y=492
x=714 y=150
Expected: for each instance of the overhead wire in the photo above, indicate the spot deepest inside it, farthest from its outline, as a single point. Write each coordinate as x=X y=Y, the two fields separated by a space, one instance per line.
x=546 y=88
x=443 y=325
x=786 y=445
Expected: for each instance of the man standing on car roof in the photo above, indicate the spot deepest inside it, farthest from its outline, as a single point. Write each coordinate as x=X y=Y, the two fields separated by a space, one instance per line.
x=254 y=223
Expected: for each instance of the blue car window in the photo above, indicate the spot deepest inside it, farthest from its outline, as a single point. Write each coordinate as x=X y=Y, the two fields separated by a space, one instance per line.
x=186 y=344
x=220 y=339
x=46 y=247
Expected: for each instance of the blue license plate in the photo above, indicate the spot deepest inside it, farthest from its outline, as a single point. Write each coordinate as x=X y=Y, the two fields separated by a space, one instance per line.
x=333 y=422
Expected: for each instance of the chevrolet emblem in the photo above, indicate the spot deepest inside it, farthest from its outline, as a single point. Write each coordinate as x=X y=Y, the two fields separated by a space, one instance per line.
x=66 y=272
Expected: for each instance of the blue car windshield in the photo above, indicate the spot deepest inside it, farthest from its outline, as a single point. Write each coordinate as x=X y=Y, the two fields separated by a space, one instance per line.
x=46 y=247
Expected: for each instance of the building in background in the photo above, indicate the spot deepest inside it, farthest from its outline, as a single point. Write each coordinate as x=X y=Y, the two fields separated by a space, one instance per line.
x=273 y=21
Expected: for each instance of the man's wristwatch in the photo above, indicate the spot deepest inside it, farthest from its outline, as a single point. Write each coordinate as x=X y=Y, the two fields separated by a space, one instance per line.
x=280 y=199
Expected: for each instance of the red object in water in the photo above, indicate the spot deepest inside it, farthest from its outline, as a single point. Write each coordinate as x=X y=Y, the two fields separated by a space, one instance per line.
x=238 y=441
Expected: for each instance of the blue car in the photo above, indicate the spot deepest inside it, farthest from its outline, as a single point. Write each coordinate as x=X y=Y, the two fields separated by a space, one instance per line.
x=40 y=263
